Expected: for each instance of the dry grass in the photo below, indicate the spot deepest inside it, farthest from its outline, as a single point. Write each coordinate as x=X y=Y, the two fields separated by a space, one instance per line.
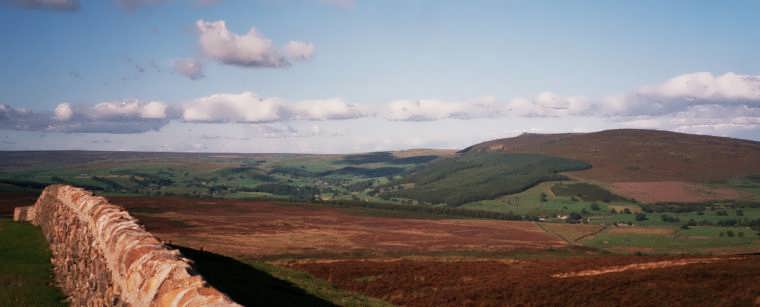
x=672 y=191
x=259 y=229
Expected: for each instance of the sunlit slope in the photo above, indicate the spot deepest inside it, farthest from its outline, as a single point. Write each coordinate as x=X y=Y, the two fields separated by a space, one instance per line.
x=640 y=155
x=480 y=175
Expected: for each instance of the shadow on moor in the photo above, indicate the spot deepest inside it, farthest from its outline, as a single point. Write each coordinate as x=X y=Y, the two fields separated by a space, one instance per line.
x=245 y=284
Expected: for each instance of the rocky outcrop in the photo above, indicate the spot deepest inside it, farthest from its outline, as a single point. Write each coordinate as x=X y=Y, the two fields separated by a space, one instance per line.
x=103 y=257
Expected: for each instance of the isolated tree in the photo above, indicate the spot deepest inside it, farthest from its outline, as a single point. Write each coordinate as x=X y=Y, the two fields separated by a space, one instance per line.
x=595 y=206
x=574 y=217
x=641 y=217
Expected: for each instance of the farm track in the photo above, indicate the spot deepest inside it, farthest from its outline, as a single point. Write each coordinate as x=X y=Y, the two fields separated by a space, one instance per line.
x=589 y=235
x=643 y=266
x=571 y=241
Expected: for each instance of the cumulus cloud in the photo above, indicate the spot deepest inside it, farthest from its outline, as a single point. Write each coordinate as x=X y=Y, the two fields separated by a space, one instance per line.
x=681 y=92
x=66 y=119
x=708 y=87
x=248 y=50
x=699 y=102
x=243 y=107
x=550 y=105
x=63 y=112
x=132 y=116
x=20 y=119
x=247 y=107
x=56 y=5
x=190 y=68
x=126 y=110
x=674 y=95
x=724 y=120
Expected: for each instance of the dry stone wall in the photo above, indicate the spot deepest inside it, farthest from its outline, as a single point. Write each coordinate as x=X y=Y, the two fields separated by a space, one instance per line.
x=103 y=257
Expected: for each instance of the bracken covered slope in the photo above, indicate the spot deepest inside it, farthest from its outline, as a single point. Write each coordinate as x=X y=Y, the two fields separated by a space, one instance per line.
x=641 y=155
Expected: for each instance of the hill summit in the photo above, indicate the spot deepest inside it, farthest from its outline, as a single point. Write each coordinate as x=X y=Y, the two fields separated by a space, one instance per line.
x=640 y=155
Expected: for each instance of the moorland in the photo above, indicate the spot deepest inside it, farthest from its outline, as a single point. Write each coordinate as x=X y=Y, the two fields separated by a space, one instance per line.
x=639 y=217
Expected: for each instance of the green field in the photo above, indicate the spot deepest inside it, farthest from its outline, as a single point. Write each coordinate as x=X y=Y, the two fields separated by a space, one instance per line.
x=267 y=176
x=540 y=200
x=480 y=176
x=695 y=240
x=25 y=270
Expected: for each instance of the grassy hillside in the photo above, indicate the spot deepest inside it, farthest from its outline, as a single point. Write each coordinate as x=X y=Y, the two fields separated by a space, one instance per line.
x=478 y=176
x=25 y=270
x=641 y=155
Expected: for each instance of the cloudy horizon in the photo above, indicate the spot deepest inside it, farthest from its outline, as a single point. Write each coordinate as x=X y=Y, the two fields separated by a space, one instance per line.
x=220 y=76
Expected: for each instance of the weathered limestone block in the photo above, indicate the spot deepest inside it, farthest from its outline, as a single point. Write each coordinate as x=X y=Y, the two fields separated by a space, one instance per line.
x=103 y=257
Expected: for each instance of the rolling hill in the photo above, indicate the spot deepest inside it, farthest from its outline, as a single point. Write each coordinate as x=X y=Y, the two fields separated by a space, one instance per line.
x=627 y=155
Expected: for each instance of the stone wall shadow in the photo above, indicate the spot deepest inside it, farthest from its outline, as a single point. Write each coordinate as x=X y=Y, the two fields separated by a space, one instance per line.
x=245 y=284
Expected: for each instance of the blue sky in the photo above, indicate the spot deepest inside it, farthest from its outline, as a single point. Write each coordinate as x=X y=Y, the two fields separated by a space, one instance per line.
x=376 y=75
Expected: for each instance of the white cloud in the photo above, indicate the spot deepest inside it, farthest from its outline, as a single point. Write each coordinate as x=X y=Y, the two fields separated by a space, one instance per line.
x=724 y=120
x=243 y=107
x=190 y=68
x=57 y=5
x=708 y=87
x=63 y=112
x=296 y=50
x=248 y=50
x=701 y=102
x=127 y=110
x=683 y=91
x=549 y=104
x=73 y=119
x=247 y=107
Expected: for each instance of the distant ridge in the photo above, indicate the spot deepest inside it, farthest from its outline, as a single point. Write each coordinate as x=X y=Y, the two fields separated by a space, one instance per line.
x=641 y=155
